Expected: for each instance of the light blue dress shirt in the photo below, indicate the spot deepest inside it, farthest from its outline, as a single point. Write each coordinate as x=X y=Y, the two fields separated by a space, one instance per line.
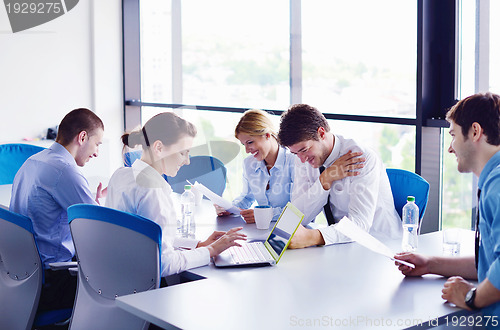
x=489 y=227
x=44 y=187
x=256 y=179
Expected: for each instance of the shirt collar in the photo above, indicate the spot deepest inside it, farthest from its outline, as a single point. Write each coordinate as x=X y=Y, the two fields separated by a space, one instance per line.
x=61 y=150
x=334 y=154
x=280 y=161
x=490 y=165
x=140 y=166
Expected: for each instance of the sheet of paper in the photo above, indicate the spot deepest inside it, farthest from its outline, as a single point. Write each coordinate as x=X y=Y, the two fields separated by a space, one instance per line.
x=216 y=199
x=351 y=230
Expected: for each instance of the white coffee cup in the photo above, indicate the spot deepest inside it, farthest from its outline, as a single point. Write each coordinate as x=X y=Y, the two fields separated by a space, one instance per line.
x=263 y=215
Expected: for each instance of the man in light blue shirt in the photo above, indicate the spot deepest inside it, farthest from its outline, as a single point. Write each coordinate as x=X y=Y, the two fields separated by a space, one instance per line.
x=475 y=130
x=46 y=185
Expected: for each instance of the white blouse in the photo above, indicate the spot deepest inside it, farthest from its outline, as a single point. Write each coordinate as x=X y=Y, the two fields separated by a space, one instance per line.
x=141 y=190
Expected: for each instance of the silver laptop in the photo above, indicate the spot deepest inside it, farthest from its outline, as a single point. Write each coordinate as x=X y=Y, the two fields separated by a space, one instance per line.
x=268 y=252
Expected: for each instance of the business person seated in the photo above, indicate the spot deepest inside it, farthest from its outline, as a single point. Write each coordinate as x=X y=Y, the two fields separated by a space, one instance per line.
x=475 y=131
x=45 y=186
x=363 y=195
x=166 y=139
x=267 y=172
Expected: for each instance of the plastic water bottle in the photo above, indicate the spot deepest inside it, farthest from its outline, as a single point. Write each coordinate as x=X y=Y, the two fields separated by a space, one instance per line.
x=188 y=226
x=410 y=225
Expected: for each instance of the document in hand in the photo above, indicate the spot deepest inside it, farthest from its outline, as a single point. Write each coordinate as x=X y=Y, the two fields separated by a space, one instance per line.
x=216 y=199
x=351 y=230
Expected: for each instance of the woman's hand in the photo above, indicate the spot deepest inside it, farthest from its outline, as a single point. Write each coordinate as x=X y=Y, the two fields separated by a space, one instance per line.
x=212 y=238
x=226 y=241
x=221 y=211
x=347 y=165
x=247 y=215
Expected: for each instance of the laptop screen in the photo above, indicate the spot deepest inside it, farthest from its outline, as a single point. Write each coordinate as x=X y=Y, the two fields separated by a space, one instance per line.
x=283 y=230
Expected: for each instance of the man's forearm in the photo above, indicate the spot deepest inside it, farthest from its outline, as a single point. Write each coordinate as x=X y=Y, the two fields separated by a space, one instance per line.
x=452 y=266
x=486 y=294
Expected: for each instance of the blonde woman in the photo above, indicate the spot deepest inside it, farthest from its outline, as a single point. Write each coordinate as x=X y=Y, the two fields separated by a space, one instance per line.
x=166 y=139
x=268 y=172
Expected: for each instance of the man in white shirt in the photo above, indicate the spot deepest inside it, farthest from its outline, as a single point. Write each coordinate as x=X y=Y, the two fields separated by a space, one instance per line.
x=336 y=180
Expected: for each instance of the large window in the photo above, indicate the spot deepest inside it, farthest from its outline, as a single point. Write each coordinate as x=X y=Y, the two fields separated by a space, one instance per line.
x=383 y=72
x=229 y=53
x=354 y=59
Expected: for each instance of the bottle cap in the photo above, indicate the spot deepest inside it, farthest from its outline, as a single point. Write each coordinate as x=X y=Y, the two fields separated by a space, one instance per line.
x=410 y=199
x=187 y=187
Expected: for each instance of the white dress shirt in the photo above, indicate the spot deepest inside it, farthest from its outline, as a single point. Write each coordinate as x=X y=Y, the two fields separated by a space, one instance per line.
x=366 y=199
x=141 y=190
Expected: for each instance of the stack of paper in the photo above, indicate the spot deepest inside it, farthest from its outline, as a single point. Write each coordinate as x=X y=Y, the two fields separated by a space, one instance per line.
x=216 y=199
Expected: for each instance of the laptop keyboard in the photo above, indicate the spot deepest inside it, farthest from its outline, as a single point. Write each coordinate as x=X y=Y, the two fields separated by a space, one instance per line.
x=246 y=253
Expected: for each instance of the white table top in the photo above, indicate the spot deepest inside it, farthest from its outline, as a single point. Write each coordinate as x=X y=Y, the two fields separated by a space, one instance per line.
x=343 y=286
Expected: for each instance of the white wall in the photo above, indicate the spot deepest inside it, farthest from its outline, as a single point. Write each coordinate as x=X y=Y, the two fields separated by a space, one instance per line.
x=71 y=62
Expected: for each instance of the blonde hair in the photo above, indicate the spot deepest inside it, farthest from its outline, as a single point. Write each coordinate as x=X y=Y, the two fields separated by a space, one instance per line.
x=255 y=122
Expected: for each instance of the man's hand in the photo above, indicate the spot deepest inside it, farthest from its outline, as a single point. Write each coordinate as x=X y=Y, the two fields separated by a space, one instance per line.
x=421 y=264
x=101 y=193
x=347 y=165
x=455 y=289
x=306 y=237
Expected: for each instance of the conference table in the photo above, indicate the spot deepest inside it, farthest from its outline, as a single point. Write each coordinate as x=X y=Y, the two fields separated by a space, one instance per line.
x=336 y=286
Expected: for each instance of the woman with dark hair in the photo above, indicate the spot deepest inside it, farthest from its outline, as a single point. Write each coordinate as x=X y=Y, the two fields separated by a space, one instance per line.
x=165 y=139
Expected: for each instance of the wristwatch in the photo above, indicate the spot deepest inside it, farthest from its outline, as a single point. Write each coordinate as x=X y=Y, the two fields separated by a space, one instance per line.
x=469 y=298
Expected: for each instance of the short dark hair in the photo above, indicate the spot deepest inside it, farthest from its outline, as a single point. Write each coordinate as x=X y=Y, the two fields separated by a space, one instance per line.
x=76 y=121
x=481 y=108
x=166 y=127
x=300 y=123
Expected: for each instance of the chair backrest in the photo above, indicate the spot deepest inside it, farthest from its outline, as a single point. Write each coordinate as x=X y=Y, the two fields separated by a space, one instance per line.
x=21 y=272
x=405 y=183
x=118 y=253
x=207 y=170
x=12 y=157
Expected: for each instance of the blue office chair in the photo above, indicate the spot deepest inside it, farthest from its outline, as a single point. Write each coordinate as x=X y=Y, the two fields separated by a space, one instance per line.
x=130 y=157
x=118 y=254
x=207 y=170
x=405 y=183
x=21 y=276
x=12 y=157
